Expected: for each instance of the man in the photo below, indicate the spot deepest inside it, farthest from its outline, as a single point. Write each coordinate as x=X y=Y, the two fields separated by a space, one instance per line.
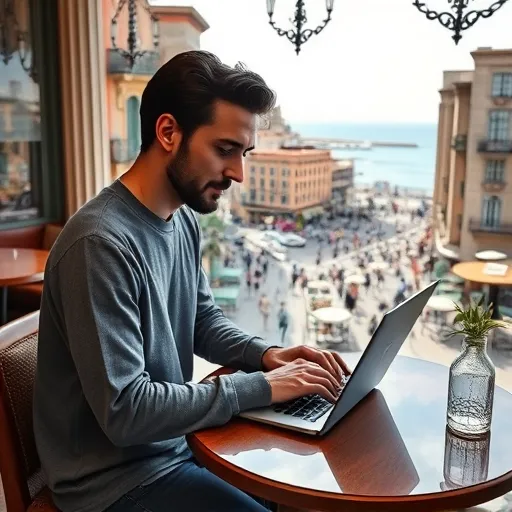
x=126 y=305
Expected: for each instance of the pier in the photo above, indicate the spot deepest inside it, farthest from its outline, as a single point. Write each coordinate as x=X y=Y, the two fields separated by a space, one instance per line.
x=333 y=143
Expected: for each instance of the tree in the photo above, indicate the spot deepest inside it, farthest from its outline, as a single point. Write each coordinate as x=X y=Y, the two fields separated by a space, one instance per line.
x=212 y=249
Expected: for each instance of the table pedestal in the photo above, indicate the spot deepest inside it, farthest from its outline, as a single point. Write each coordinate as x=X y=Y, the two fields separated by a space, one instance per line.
x=493 y=298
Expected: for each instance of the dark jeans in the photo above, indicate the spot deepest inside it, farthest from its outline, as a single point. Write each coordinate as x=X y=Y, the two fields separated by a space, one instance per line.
x=188 y=488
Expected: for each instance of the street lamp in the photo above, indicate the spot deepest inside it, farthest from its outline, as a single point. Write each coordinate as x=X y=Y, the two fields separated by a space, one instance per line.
x=134 y=50
x=299 y=35
x=460 y=19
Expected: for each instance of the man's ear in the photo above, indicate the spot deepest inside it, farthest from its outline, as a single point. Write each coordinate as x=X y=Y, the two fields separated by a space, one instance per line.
x=168 y=133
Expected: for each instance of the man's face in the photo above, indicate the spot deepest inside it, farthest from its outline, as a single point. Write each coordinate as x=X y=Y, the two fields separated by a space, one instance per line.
x=212 y=158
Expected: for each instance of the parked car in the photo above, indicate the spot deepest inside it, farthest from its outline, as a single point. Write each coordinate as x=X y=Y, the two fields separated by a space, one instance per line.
x=293 y=240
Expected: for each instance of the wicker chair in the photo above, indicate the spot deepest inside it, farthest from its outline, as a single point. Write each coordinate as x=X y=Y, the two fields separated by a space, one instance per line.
x=19 y=462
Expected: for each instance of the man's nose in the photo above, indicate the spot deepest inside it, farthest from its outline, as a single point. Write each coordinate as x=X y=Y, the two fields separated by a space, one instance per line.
x=235 y=171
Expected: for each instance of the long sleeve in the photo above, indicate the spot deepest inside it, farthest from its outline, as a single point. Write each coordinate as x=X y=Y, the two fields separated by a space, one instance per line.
x=219 y=340
x=100 y=285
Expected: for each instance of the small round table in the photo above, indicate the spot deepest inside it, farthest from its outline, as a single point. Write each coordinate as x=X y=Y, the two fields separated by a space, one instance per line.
x=474 y=271
x=391 y=453
x=19 y=266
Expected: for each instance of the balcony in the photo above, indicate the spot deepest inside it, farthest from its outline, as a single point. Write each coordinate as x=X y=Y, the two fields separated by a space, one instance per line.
x=495 y=146
x=493 y=185
x=459 y=142
x=477 y=226
x=145 y=65
x=123 y=151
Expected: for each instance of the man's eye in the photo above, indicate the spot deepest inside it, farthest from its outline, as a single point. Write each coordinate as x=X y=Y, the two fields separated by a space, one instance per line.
x=223 y=151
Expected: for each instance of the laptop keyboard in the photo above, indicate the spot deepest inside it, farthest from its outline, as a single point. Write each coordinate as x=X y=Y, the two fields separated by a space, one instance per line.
x=309 y=407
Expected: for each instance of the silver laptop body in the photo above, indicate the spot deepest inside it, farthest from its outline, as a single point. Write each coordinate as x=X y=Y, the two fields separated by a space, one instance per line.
x=384 y=345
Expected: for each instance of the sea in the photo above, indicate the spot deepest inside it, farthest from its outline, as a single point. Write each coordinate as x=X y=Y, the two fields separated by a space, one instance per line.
x=410 y=169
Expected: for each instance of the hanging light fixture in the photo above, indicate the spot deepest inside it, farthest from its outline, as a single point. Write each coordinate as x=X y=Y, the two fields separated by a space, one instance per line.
x=8 y=36
x=299 y=35
x=461 y=18
x=15 y=40
x=134 y=51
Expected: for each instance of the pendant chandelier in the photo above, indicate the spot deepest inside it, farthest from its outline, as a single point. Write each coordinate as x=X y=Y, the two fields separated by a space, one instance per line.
x=13 y=39
x=461 y=16
x=299 y=35
x=133 y=51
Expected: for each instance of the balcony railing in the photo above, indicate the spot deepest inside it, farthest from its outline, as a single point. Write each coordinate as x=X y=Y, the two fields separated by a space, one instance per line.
x=492 y=185
x=459 y=142
x=122 y=151
x=495 y=146
x=479 y=226
x=145 y=65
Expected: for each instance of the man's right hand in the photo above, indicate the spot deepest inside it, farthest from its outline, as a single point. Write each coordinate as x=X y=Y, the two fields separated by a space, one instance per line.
x=300 y=378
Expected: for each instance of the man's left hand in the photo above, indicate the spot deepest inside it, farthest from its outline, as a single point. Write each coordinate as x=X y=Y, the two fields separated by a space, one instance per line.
x=331 y=361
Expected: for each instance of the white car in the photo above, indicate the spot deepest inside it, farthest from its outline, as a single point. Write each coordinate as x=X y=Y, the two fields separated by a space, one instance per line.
x=292 y=240
x=286 y=239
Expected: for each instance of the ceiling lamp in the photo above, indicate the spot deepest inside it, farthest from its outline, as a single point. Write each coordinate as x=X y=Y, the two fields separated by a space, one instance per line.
x=460 y=18
x=133 y=50
x=299 y=35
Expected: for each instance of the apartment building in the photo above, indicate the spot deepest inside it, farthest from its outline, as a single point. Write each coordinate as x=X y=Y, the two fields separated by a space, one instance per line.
x=473 y=189
x=342 y=183
x=286 y=182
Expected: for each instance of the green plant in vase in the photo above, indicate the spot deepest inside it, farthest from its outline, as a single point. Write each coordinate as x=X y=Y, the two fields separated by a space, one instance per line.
x=472 y=374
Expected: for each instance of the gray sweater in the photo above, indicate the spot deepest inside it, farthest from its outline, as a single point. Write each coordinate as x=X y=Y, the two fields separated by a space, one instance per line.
x=125 y=306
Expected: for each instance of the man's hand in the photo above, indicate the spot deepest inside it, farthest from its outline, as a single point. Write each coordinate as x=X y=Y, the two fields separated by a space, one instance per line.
x=299 y=371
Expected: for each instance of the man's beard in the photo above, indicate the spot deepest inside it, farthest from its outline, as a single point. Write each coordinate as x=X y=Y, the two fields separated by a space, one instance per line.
x=189 y=191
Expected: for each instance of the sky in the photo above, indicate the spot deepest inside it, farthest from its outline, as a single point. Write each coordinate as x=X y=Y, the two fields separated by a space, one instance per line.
x=376 y=61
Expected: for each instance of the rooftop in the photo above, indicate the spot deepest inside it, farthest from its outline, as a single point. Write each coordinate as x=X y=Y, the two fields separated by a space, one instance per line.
x=283 y=153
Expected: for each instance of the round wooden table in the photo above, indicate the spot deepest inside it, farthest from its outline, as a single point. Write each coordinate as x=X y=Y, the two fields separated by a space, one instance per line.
x=474 y=271
x=19 y=266
x=392 y=452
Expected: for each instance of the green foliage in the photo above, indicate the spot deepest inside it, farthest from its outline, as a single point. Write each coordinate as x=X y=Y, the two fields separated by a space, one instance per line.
x=211 y=222
x=475 y=321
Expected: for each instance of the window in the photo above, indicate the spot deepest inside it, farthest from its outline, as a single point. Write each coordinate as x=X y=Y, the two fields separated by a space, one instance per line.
x=272 y=197
x=495 y=171
x=252 y=181
x=262 y=182
x=284 y=184
x=272 y=171
x=502 y=85
x=284 y=199
x=133 y=126
x=272 y=184
x=491 y=211
x=262 y=170
x=262 y=196
x=252 y=195
x=31 y=123
x=498 y=125
x=462 y=185
x=253 y=169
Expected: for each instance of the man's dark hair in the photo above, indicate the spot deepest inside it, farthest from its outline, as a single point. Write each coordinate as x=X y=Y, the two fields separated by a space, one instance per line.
x=187 y=87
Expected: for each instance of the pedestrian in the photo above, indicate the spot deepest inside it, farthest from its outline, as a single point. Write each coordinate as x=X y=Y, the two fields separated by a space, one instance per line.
x=282 y=318
x=264 y=265
x=248 y=281
x=257 y=277
x=318 y=257
x=400 y=293
x=264 y=306
x=380 y=278
x=367 y=281
x=372 y=326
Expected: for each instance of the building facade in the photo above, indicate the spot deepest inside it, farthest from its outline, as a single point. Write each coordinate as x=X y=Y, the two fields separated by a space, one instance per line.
x=69 y=120
x=473 y=189
x=286 y=182
x=342 y=183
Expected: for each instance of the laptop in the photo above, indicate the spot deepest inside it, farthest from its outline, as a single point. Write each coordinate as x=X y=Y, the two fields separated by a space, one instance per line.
x=316 y=416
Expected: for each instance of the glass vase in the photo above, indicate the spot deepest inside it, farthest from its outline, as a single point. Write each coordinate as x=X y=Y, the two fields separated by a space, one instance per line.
x=471 y=390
